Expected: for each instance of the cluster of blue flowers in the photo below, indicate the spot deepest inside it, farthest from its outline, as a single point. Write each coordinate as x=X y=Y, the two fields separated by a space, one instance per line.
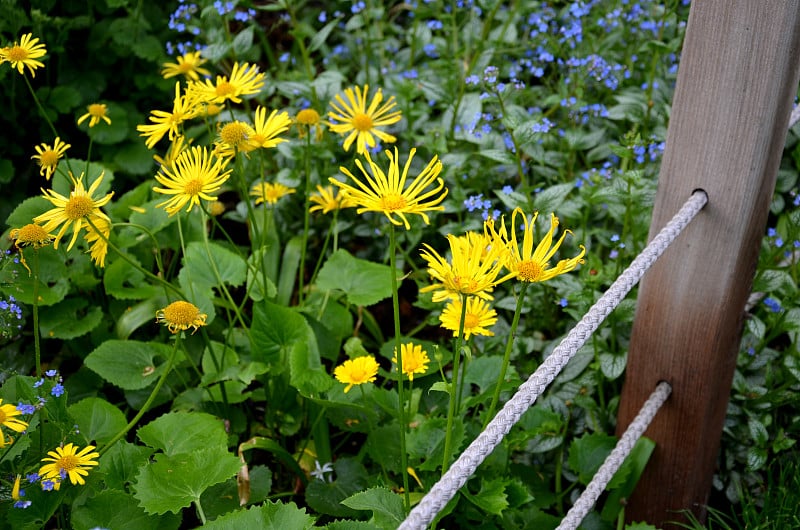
x=477 y=202
x=10 y=318
x=58 y=388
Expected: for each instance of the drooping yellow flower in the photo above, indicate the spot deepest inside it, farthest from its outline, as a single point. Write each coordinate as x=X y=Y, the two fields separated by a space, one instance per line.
x=389 y=194
x=234 y=137
x=357 y=371
x=24 y=53
x=97 y=238
x=47 y=157
x=474 y=268
x=415 y=359
x=180 y=316
x=178 y=146
x=478 y=317
x=245 y=79
x=269 y=192
x=97 y=112
x=30 y=235
x=67 y=461
x=194 y=176
x=15 y=488
x=74 y=211
x=183 y=109
x=328 y=199
x=8 y=417
x=189 y=65
x=308 y=120
x=361 y=122
x=529 y=264
x=268 y=128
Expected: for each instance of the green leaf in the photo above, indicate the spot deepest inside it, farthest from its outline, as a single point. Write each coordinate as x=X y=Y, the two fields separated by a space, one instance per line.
x=491 y=498
x=327 y=497
x=222 y=498
x=386 y=506
x=128 y=364
x=275 y=330
x=364 y=283
x=346 y=524
x=426 y=442
x=270 y=516
x=68 y=319
x=548 y=200
x=53 y=278
x=289 y=265
x=121 y=463
x=587 y=453
x=25 y=211
x=256 y=280
x=171 y=483
x=243 y=41
x=199 y=266
x=307 y=374
x=183 y=432
x=613 y=364
x=498 y=155
x=97 y=419
x=118 y=510
x=382 y=446
x=137 y=315
x=621 y=489
x=318 y=39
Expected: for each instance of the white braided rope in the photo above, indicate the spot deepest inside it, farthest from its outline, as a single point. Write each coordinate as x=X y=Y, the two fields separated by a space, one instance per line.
x=614 y=460
x=463 y=468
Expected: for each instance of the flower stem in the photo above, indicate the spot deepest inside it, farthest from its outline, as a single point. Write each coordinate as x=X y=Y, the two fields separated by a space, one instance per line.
x=301 y=271
x=399 y=352
x=147 y=403
x=506 y=355
x=451 y=411
x=36 y=338
x=200 y=512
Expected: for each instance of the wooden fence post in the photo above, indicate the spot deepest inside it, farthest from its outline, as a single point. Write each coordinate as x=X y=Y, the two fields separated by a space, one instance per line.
x=737 y=78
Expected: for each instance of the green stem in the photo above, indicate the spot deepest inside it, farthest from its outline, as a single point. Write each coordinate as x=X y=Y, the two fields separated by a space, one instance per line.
x=451 y=410
x=200 y=511
x=301 y=272
x=399 y=352
x=506 y=355
x=147 y=403
x=36 y=338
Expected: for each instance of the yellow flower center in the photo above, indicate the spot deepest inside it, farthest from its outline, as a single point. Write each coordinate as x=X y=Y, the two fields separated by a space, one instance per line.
x=225 y=89
x=17 y=53
x=471 y=320
x=529 y=271
x=362 y=122
x=78 y=206
x=234 y=133
x=310 y=117
x=185 y=67
x=392 y=202
x=181 y=313
x=29 y=234
x=465 y=285
x=48 y=158
x=98 y=110
x=68 y=462
x=193 y=187
x=357 y=375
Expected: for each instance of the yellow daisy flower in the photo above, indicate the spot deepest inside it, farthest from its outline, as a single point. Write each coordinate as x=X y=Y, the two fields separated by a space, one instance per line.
x=97 y=112
x=357 y=371
x=180 y=316
x=97 y=239
x=308 y=119
x=245 y=79
x=178 y=146
x=390 y=195
x=189 y=66
x=23 y=54
x=67 y=461
x=8 y=417
x=478 y=317
x=73 y=212
x=360 y=122
x=183 y=109
x=415 y=359
x=47 y=157
x=268 y=192
x=30 y=235
x=328 y=199
x=474 y=268
x=527 y=264
x=194 y=176
x=268 y=128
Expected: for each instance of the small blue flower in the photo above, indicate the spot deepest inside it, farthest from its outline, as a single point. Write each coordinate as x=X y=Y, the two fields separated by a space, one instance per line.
x=51 y=373
x=48 y=485
x=25 y=409
x=507 y=189
x=58 y=390
x=563 y=302
x=38 y=383
x=22 y=504
x=772 y=304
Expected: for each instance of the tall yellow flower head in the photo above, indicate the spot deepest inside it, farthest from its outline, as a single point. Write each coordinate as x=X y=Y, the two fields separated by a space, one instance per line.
x=390 y=194
x=361 y=121
x=8 y=417
x=328 y=199
x=474 y=266
x=357 y=371
x=267 y=129
x=269 y=193
x=180 y=316
x=245 y=80
x=24 y=53
x=95 y=113
x=234 y=137
x=194 y=175
x=189 y=65
x=67 y=461
x=184 y=108
x=478 y=317
x=528 y=264
x=47 y=157
x=415 y=359
x=308 y=120
x=74 y=211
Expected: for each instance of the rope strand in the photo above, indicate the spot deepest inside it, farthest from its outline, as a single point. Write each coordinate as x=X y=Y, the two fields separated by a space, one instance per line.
x=471 y=458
